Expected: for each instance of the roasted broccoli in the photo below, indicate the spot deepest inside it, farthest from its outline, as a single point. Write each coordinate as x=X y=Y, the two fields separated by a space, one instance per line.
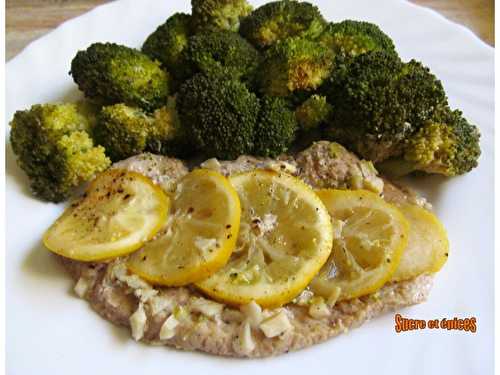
x=220 y=49
x=276 y=127
x=168 y=136
x=123 y=130
x=280 y=20
x=379 y=101
x=219 y=14
x=168 y=41
x=313 y=112
x=351 y=38
x=294 y=65
x=53 y=148
x=219 y=114
x=111 y=73
x=448 y=145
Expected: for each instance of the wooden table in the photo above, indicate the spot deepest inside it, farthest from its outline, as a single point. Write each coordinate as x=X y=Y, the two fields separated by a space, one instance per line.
x=27 y=20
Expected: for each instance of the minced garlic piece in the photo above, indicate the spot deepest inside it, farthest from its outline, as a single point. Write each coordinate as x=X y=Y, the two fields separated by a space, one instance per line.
x=253 y=313
x=278 y=166
x=81 y=287
x=304 y=298
x=337 y=226
x=138 y=322
x=167 y=330
x=145 y=294
x=318 y=308
x=161 y=303
x=245 y=338
x=212 y=163
x=264 y=225
x=276 y=325
x=206 y=307
x=374 y=184
x=205 y=244
x=332 y=299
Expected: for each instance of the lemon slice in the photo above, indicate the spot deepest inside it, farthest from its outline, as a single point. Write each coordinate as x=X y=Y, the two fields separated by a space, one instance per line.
x=119 y=212
x=428 y=246
x=199 y=236
x=373 y=236
x=285 y=237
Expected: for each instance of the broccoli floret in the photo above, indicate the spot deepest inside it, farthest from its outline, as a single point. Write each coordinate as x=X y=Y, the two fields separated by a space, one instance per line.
x=379 y=101
x=220 y=49
x=219 y=14
x=219 y=114
x=352 y=38
x=276 y=127
x=123 y=130
x=168 y=136
x=448 y=144
x=168 y=41
x=111 y=73
x=313 y=112
x=294 y=65
x=280 y=20
x=54 y=149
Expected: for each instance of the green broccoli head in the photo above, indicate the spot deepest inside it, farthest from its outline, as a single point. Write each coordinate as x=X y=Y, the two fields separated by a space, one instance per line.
x=54 y=149
x=123 y=130
x=220 y=49
x=448 y=145
x=276 y=127
x=219 y=14
x=111 y=73
x=313 y=112
x=294 y=65
x=219 y=114
x=379 y=101
x=168 y=41
x=168 y=136
x=352 y=38
x=280 y=20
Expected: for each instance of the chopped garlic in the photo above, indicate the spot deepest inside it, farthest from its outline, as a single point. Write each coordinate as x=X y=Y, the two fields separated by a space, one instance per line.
x=373 y=183
x=278 y=166
x=161 y=303
x=138 y=322
x=212 y=163
x=231 y=315
x=264 y=225
x=332 y=299
x=134 y=282
x=167 y=330
x=245 y=337
x=253 y=313
x=205 y=244
x=81 y=287
x=206 y=307
x=276 y=325
x=304 y=298
x=318 y=308
x=145 y=294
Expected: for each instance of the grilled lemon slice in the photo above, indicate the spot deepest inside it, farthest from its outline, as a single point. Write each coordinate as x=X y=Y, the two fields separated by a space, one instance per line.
x=119 y=212
x=373 y=236
x=285 y=237
x=428 y=246
x=200 y=233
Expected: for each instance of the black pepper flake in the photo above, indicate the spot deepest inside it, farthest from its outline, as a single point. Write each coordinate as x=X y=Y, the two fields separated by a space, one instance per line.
x=120 y=190
x=445 y=254
x=127 y=196
x=228 y=226
x=144 y=258
x=229 y=236
x=388 y=260
x=190 y=210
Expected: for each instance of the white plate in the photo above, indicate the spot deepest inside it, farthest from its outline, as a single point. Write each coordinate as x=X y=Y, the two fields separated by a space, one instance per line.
x=50 y=331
